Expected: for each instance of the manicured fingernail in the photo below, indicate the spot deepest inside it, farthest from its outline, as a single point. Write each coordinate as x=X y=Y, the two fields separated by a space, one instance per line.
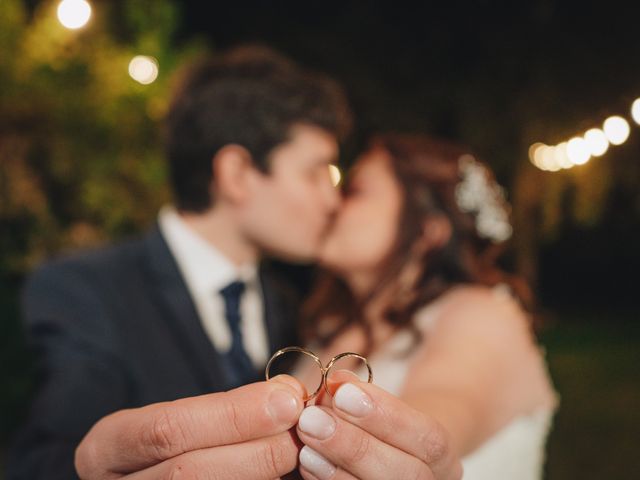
x=316 y=464
x=352 y=400
x=283 y=406
x=292 y=382
x=315 y=422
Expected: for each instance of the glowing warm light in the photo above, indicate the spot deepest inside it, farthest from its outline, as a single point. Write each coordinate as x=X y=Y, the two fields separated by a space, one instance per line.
x=533 y=149
x=336 y=176
x=616 y=130
x=561 y=156
x=544 y=158
x=74 y=14
x=536 y=152
x=549 y=159
x=578 y=151
x=635 y=111
x=143 y=69
x=596 y=142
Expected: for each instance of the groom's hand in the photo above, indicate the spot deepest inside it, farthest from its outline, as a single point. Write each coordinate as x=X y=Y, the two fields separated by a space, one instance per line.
x=241 y=434
x=366 y=433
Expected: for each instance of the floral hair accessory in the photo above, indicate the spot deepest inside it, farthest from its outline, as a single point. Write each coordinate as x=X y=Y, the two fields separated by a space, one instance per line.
x=478 y=195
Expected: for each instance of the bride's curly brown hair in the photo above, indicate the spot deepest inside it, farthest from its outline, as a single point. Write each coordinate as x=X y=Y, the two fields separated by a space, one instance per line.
x=428 y=170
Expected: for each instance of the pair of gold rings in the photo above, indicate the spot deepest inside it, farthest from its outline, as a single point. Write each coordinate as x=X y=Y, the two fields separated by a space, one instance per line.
x=324 y=370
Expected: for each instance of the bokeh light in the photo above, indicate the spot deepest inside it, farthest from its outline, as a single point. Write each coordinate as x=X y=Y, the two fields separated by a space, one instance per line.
x=544 y=158
x=578 y=151
x=548 y=159
x=74 y=14
x=616 y=129
x=561 y=156
x=535 y=154
x=336 y=176
x=533 y=149
x=596 y=142
x=143 y=69
x=635 y=111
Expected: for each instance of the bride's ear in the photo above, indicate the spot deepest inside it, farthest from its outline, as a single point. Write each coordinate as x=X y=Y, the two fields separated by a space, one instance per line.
x=436 y=231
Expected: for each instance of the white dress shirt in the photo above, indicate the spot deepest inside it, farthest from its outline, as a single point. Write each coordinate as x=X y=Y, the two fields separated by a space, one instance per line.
x=206 y=271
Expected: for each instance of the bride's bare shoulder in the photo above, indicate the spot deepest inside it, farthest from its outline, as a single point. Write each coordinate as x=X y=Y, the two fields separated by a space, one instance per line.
x=472 y=296
x=472 y=307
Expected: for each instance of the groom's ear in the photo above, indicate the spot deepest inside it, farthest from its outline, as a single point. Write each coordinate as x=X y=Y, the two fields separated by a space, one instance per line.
x=231 y=167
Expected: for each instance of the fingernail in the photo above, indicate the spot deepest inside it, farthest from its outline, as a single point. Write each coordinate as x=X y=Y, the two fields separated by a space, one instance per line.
x=339 y=377
x=292 y=382
x=352 y=400
x=283 y=407
x=348 y=373
x=315 y=422
x=316 y=464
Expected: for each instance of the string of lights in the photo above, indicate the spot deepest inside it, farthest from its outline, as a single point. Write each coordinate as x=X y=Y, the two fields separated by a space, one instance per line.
x=595 y=142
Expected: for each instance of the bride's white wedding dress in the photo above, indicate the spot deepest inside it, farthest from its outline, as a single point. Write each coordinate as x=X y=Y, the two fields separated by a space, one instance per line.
x=516 y=452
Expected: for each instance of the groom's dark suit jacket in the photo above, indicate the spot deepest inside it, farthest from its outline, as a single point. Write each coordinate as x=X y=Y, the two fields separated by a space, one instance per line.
x=112 y=329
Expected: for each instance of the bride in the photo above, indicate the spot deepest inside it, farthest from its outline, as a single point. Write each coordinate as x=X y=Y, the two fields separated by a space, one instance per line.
x=412 y=282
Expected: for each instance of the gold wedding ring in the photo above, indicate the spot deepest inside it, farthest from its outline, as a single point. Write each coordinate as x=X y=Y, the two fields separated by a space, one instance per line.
x=324 y=370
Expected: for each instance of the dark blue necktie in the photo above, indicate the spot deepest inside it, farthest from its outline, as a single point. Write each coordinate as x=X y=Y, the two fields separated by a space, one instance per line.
x=239 y=366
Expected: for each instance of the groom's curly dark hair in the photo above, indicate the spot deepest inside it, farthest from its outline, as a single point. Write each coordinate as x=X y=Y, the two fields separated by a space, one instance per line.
x=249 y=96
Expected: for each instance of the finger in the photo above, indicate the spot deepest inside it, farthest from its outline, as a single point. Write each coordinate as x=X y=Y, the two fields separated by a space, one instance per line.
x=334 y=381
x=425 y=439
x=131 y=440
x=393 y=422
x=347 y=447
x=263 y=459
x=320 y=468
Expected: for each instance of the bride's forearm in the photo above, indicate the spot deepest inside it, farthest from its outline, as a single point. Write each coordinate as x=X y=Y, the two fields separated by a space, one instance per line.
x=456 y=413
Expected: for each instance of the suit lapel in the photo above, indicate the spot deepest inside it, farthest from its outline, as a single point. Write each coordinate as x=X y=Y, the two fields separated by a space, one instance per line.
x=280 y=311
x=180 y=314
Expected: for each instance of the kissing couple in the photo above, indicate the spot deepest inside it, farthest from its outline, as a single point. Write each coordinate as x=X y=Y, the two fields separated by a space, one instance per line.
x=151 y=353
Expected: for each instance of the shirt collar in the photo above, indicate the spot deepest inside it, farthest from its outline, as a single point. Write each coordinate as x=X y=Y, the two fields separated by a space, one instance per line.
x=204 y=267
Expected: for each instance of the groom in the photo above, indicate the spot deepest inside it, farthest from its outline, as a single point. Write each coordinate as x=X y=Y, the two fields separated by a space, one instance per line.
x=186 y=311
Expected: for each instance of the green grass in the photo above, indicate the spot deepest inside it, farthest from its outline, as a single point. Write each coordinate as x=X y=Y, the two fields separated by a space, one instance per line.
x=595 y=363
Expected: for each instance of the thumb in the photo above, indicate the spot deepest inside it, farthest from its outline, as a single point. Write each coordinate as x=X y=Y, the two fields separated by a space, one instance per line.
x=292 y=382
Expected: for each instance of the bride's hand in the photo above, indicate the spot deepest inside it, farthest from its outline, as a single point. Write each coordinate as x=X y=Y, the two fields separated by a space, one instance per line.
x=364 y=432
